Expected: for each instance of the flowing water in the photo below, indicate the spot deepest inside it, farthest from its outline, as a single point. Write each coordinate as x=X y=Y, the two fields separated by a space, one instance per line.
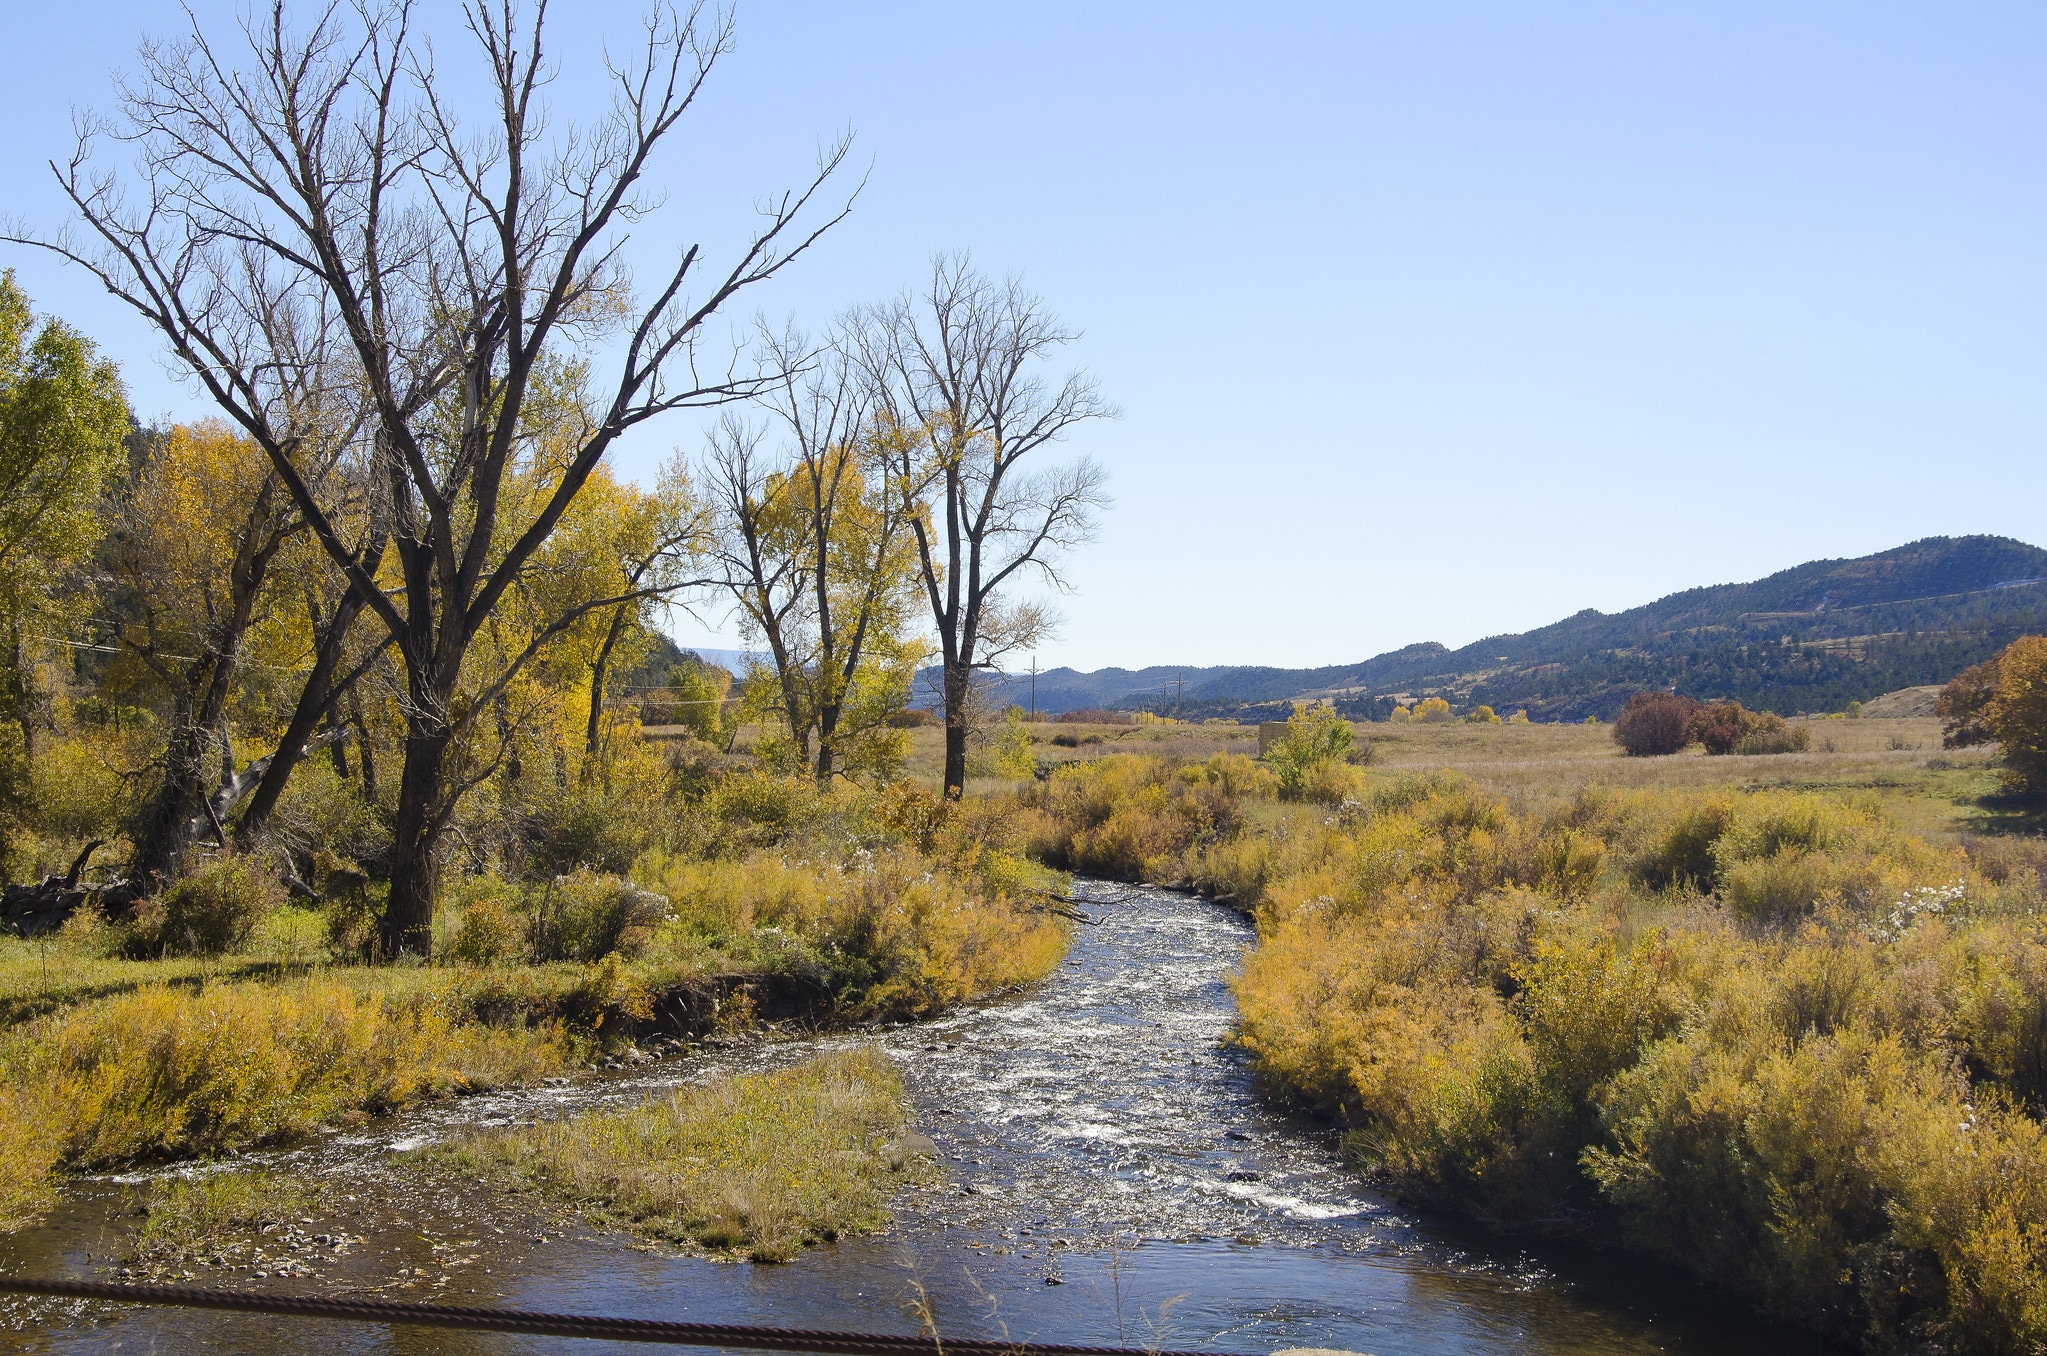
x=1110 y=1175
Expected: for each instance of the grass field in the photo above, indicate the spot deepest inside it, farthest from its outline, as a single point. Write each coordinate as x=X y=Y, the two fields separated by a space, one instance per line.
x=1900 y=761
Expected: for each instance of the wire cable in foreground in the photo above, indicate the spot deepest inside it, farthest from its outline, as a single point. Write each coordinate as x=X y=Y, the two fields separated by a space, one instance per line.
x=471 y=1319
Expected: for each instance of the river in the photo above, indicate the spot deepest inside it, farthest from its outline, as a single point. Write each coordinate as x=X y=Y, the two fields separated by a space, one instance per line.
x=1110 y=1175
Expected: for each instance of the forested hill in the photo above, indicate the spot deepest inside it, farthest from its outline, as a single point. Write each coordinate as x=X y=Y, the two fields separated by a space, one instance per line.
x=1810 y=638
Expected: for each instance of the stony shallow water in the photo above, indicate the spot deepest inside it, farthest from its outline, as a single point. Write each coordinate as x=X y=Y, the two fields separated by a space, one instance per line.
x=1110 y=1176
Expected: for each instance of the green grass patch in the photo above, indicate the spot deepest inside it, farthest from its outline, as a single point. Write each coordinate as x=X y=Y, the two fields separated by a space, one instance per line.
x=207 y=1218
x=758 y=1165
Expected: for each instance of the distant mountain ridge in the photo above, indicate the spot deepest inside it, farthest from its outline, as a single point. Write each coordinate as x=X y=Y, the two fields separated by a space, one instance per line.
x=1810 y=638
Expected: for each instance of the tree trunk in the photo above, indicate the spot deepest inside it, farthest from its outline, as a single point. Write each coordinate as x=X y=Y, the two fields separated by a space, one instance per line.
x=24 y=701
x=600 y=668
x=338 y=749
x=316 y=700
x=958 y=677
x=416 y=834
x=178 y=803
x=827 y=725
x=362 y=744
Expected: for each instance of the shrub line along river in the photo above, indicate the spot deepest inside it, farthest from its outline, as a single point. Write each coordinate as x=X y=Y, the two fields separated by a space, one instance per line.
x=1110 y=1175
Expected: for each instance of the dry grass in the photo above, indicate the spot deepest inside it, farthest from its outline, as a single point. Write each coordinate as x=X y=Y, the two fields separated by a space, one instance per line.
x=761 y=1164
x=1191 y=741
x=1899 y=761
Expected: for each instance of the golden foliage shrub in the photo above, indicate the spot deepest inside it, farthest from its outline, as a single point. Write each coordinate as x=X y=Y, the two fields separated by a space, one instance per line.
x=2017 y=715
x=1816 y=1085
x=1136 y=816
x=164 y=1073
x=488 y=932
x=886 y=932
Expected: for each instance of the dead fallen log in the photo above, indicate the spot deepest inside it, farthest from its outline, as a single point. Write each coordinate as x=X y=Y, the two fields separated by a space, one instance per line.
x=30 y=910
x=1071 y=913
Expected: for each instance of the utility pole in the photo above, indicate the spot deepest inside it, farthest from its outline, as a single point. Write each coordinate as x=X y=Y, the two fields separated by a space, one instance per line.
x=1034 y=687
x=1178 y=684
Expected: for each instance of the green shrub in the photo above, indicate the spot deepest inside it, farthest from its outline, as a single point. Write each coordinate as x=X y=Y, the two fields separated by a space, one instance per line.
x=1009 y=753
x=700 y=691
x=1683 y=850
x=351 y=912
x=1316 y=735
x=215 y=908
x=322 y=811
x=587 y=916
x=77 y=789
x=584 y=826
x=488 y=932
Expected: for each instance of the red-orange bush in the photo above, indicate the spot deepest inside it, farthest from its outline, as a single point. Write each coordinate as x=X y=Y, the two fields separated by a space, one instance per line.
x=1963 y=704
x=1655 y=723
x=1730 y=727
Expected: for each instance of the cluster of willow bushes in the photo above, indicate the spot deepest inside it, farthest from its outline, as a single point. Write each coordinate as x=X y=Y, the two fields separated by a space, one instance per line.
x=1771 y=1037
x=1139 y=816
x=893 y=900
x=168 y=1072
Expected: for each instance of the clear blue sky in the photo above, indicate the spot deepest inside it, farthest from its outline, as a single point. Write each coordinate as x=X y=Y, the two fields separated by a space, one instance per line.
x=1428 y=321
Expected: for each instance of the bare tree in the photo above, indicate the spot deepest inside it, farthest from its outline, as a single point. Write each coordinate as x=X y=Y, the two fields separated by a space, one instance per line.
x=957 y=371
x=813 y=541
x=330 y=177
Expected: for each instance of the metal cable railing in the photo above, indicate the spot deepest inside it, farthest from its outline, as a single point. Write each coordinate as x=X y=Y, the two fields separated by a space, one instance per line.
x=466 y=1318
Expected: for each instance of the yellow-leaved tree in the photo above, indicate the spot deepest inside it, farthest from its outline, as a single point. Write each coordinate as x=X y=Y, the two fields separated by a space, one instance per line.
x=63 y=414
x=2017 y=715
x=201 y=523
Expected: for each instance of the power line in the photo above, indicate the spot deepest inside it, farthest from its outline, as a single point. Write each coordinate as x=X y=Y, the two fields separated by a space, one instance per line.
x=472 y=1319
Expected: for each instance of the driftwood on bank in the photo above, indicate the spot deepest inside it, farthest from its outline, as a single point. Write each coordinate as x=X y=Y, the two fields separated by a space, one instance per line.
x=29 y=910
x=1070 y=912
